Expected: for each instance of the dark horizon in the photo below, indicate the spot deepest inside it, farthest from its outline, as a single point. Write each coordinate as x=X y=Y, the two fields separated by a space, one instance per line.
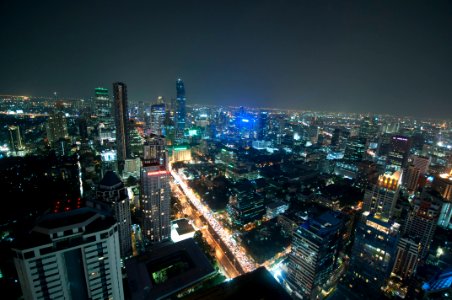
x=366 y=57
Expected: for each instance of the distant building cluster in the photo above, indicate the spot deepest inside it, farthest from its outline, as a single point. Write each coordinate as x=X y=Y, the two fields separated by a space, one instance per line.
x=150 y=199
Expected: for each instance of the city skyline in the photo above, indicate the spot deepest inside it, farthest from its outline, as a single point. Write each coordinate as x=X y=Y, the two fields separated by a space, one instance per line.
x=252 y=150
x=354 y=57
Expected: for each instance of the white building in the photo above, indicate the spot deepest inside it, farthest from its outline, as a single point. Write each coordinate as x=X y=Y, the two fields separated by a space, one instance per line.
x=155 y=190
x=71 y=255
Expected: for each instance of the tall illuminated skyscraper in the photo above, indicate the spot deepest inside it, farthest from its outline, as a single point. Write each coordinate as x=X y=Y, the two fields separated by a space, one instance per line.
x=157 y=118
x=120 y=108
x=15 y=139
x=56 y=127
x=102 y=102
x=382 y=196
x=314 y=256
x=155 y=190
x=399 y=152
x=181 y=113
x=374 y=252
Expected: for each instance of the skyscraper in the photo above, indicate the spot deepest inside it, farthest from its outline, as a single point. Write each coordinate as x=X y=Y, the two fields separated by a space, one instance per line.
x=407 y=257
x=422 y=220
x=181 y=113
x=71 y=255
x=399 y=152
x=373 y=252
x=155 y=190
x=382 y=196
x=15 y=140
x=112 y=197
x=102 y=102
x=122 y=123
x=157 y=118
x=314 y=255
x=56 y=127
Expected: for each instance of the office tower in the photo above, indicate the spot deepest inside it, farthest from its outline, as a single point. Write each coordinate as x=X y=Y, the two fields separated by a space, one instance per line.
x=313 y=258
x=71 y=255
x=56 y=127
x=155 y=190
x=412 y=178
x=181 y=113
x=157 y=118
x=15 y=140
x=442 y=183
x=102 y=102
x=373 y=252
x=112 y=197
x=355 y=149
x=262 y=125
x=399 y=152
x=122 y=123
x=407 y=257
x=422 y=220
x=382 y=196
x=422 y=163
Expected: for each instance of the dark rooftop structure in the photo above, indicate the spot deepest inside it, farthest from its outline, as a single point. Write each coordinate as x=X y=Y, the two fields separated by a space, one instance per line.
x=110 y=179
x=167 y=270
x=258 y=284
x=183 y=226
x=86 y=220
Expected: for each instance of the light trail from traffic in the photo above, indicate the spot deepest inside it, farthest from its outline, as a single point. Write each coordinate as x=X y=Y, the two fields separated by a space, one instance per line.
x=244 y=260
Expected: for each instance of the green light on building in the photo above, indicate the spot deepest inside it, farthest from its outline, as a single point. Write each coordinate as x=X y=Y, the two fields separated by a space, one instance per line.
x=179 y=148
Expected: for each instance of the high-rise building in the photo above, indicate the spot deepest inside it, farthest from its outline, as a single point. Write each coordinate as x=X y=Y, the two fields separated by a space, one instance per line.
x=412 y=178
x=443 y=185
x=122 y=123
x=355 y=149
x=422 y=163
x=382 y=196
x=112 y=197
x=262 y=125
x=407 y=257
x=422 y=220
x=181 y=113
x=314 y=256
x=155 y=190
x=71 y=255
x=15 y=140
x=56 y=127
x=157 y=118
x=399 y=151
x=373 y=252
x=102 y=102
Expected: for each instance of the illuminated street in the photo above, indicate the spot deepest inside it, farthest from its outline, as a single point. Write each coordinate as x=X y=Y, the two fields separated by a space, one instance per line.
x=225 y=264
x=243 y=259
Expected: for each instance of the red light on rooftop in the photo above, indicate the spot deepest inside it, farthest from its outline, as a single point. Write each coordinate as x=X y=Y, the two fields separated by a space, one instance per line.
x=157 y=173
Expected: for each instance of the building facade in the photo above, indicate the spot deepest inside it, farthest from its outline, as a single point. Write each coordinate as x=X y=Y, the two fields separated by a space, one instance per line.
x=112 y=197
x=71 y=255
x=121 y=114
x=155 y=190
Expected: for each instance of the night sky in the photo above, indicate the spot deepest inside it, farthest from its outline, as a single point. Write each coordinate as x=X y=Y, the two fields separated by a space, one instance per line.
x=359 y=56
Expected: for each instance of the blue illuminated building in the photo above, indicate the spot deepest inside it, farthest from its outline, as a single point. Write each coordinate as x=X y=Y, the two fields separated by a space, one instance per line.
x=181 y=112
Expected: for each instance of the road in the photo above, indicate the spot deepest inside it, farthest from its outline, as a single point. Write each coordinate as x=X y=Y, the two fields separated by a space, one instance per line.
x=223 y=235
x=225 y=263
